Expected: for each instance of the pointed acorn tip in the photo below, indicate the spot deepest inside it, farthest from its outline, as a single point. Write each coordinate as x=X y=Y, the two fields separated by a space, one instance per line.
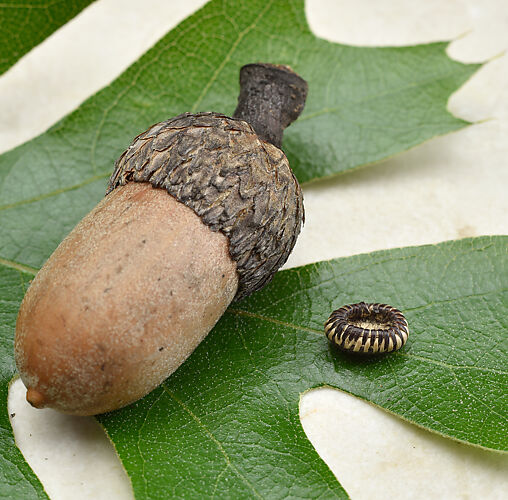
x=35 y=398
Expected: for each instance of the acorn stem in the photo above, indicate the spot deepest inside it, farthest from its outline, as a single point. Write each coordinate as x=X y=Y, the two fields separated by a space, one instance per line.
x=271 y=97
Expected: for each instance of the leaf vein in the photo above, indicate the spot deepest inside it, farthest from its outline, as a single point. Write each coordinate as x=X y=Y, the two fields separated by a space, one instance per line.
x=56 y=192
x=227 y=58
x=213 y=438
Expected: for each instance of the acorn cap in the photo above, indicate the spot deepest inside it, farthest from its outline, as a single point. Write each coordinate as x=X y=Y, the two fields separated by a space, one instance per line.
x=234 y=179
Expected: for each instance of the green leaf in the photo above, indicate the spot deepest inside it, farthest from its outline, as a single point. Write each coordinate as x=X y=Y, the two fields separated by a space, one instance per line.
x=365 y=104
x=26 y=24
x=16 y=478
x=226 y=423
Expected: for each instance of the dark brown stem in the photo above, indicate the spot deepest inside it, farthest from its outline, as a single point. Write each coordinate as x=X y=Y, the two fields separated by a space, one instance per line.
x=271 y=97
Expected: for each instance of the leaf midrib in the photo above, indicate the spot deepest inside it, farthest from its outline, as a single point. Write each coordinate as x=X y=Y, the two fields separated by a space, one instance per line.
x=212 y=438
x=387 y=93
x=19 y=267
x=451 y=367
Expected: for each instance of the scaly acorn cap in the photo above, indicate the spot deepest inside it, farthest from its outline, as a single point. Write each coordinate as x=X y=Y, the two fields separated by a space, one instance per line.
x=232 y=178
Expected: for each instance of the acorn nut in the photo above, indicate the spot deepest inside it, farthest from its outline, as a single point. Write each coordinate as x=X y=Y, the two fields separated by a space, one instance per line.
x=201 y=209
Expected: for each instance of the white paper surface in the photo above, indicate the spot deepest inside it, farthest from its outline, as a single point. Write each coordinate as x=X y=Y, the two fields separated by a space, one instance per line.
x=450 y=187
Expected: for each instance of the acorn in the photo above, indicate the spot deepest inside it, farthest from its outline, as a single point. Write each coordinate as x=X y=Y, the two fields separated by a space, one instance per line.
x=201 y=210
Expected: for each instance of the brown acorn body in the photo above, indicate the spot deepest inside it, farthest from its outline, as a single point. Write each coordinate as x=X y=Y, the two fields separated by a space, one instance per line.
x=200 y=210
x=122 y=302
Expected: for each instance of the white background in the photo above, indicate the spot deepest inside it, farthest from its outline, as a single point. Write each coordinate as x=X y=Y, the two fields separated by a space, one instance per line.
x=448 y=188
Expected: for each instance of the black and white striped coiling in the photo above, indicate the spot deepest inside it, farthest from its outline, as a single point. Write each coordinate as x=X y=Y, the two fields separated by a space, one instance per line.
x=367 y=328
